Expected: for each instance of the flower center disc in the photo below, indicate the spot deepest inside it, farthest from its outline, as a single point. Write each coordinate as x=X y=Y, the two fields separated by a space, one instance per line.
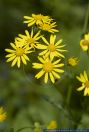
x=87 y=84
x=72 y=62
x=46 y=26
x=86 y=43
x=19 y=51
x=48 y=67
x=51 y=47
x=38 y=17
x=30 y=41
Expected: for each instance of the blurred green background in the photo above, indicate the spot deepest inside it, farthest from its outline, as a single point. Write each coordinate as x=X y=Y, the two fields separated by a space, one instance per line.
x=28 y=100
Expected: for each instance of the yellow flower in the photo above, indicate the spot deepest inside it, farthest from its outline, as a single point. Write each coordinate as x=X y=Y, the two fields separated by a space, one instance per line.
x=3 y=114
x=37 y=127
x=29 y=40
x=17 y=54
x=73 y=61
x=50 y=27
x=51 y=48
x=36 y=19
x=37 y=130
x=83 y=78
x=52 y=125
x=84 y=43
x=49 y=68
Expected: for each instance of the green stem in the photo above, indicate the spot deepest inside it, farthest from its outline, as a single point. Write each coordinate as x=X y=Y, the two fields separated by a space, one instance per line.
x=86 y=20
x=69 y=95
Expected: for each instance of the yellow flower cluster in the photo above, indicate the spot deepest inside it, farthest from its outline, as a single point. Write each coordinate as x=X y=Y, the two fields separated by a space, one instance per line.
x=3 y=114
x=50 y=51
x=51 y=126
x=43 y=22
x=83 y=78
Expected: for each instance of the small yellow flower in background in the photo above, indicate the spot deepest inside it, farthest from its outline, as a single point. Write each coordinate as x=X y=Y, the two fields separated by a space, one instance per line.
x=84 y=43
x=52 y=125
x=51 y=48
x=36 y=19
x=17 y=54
x=83 y=78
x=73 y=61
x=29 y=40
x=37 y=130
x=50 y=27
x=3 y=114
x=37 y=127
x=48 y=68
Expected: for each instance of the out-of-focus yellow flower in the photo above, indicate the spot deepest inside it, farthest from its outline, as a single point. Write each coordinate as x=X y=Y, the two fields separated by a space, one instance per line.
x=37 y=130
x=50 y=27
x=83 y=78
x=52 y=125
x=73 y=61
x=29 y=40
x=51 y=48
x=49 y=68
x=3 y=114
x=36 y=19
x=84 y=43
x=17 y=54
x=37 y=127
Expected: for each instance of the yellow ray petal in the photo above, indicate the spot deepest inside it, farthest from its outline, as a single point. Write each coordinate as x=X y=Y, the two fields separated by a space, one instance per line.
x=18 y=62
x=23 y=60
x=10 y=55
x=40 y=74
x=51 y=77
x=14 y=61
x=58 y=42
x=80 y=88
x=37 y=35
x=59 y=65
x=55 y=74
x=85 y=91
x=9 y=50
x=57 y=61
x=27 y=33
x=58 y=70
x=46 y=78
x=40 y=46
x=52 y=39
x=11 y=58
x=43 y=52
x=85 y=76
x=30 y=24
x=46 y=42
x=27 y=17
x=13 y=45
x=26 y=57
x=37 y=65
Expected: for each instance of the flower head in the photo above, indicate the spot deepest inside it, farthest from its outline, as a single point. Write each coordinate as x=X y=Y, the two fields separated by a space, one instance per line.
x=37 y=127
x=29 y=40
x=3 y=114
x=52 y=125
x=51 y=48
x=48 y=68
x=73 y=61
x=50 y=27
x=37 y=19
x=83 y=78
x=17 y=54
x=84 y=43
